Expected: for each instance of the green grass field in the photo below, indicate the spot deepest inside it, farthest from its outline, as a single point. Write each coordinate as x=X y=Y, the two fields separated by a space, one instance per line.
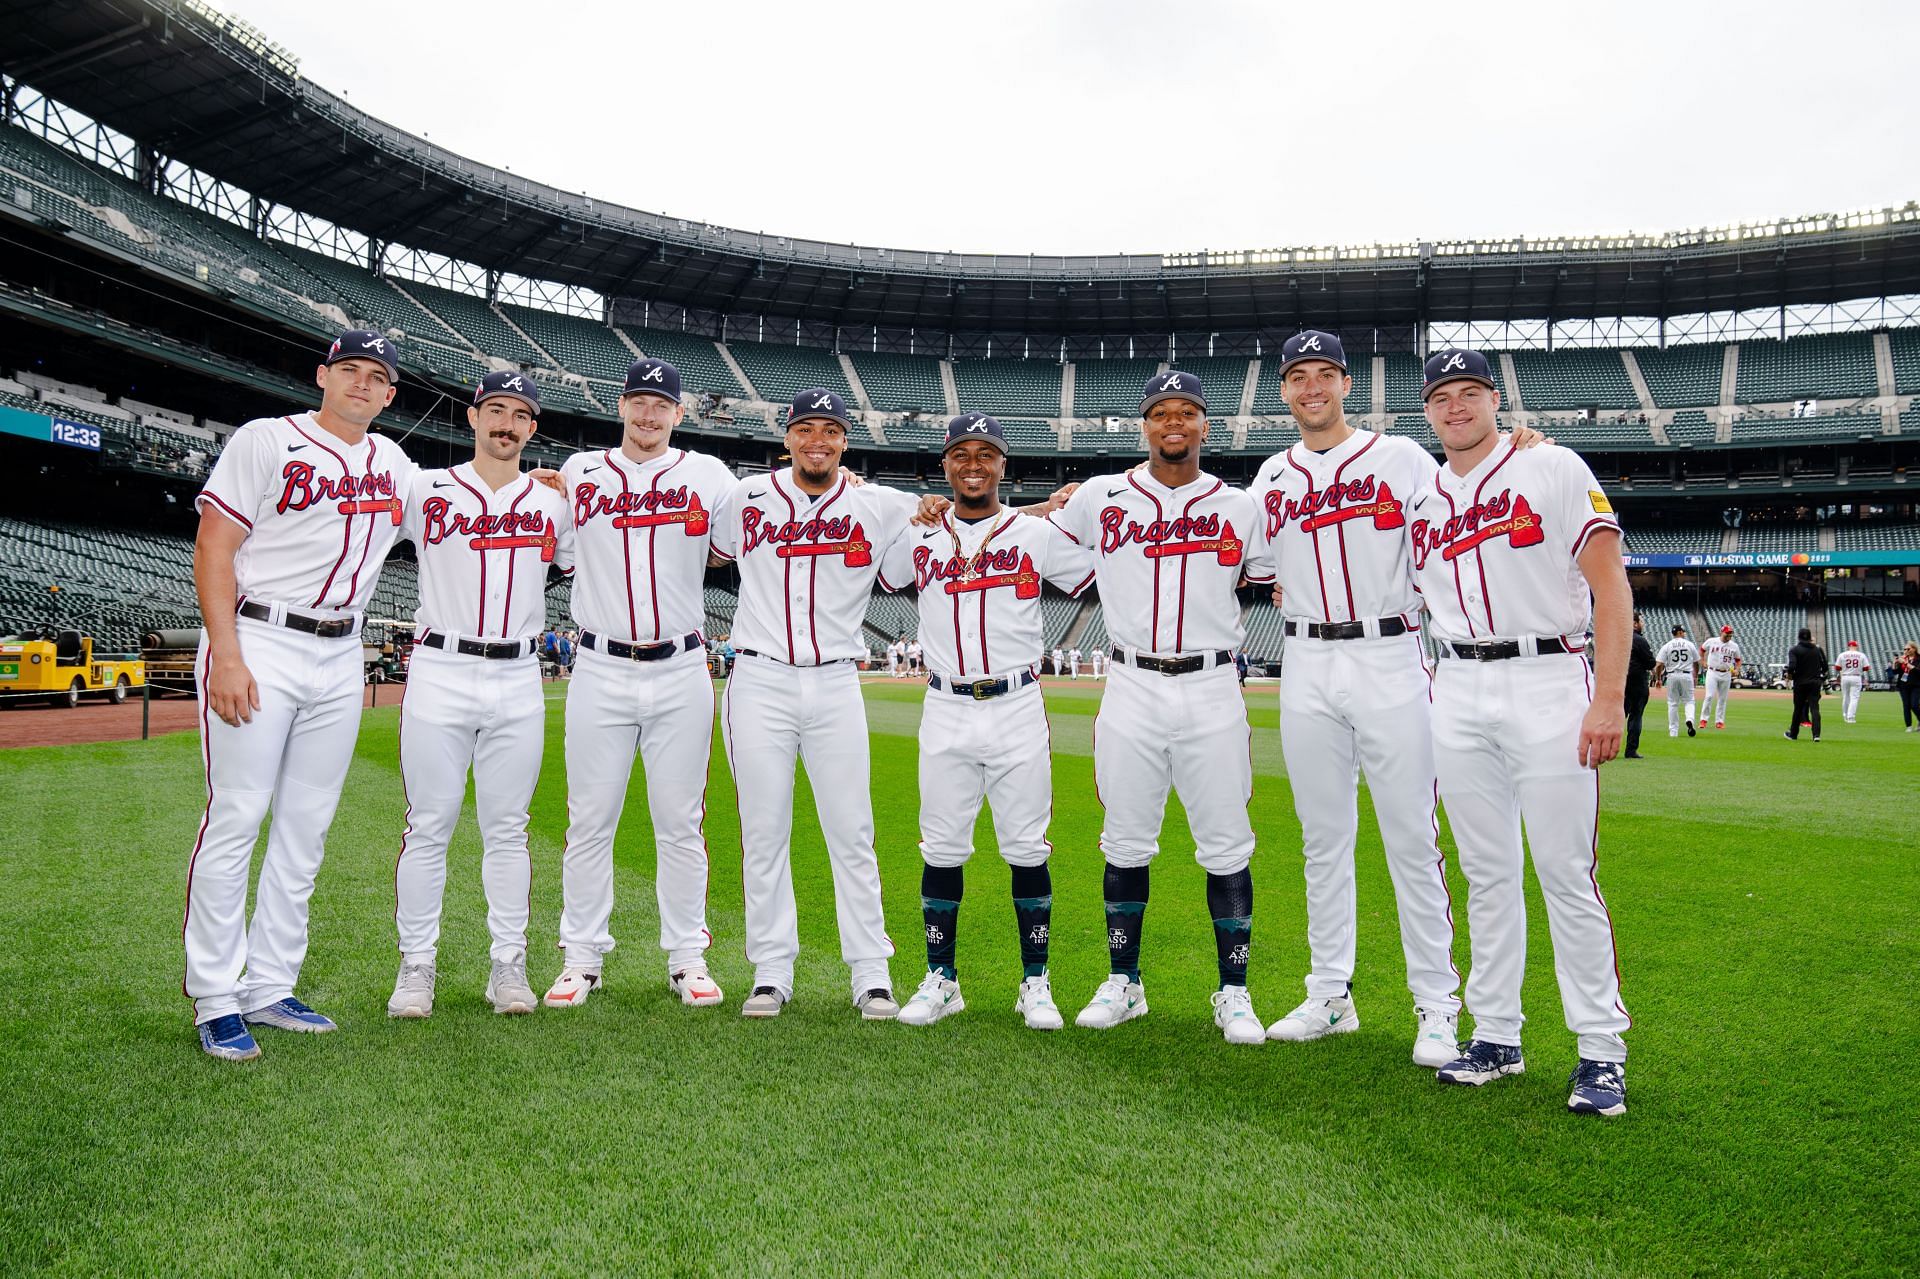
x=1764 y=895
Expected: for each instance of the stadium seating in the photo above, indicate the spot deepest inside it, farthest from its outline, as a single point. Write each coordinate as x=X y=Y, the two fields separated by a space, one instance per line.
x=1836 y=426
x=781 y=372
x=1572 y=379
x=1057 y=612
x=1265 y=637
x=896 y=383
x=1823 y=366
x=1112 y=387
x=697 y=358
x=1764 y=631
x=1021 y=388
x=474 y=320
x=1890 y=536
x=893 y=615
x=1905 y=344
x=1223 y=377
x=587 y=347
x=1769 y=539
x=1883 y=628
x=1690 y=427
x=1663 y=539
x=1094 y=634
x=1267 y=438
x=1682 y=376
x=1403 y=382
x=1025 y=435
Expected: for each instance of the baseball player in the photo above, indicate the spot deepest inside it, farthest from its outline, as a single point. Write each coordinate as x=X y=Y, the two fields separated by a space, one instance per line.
x=916 y=657
x=893 y=659
x=642 y=517
x=1513 y=550
x=1073 y=662
x=809 y=545
x=1674 y=665
x=1059 y=662
x=295 y=523
x=1098 y=663
x=1167 y=543
x=1356 y=696
x=983 y=732
x=1722 y=657
x=486 y=537
x=1854 y=670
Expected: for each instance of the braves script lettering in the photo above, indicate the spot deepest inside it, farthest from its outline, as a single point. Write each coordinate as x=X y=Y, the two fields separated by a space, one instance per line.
x=302 y=486
x=1342 y=500
x=1502 y=516
x=1158 y=539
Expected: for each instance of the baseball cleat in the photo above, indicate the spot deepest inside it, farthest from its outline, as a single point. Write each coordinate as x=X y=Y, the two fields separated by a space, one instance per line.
x=765 y=1001
x=571 y=988
x=938 y=995
x=1233 y=1014
x=228 y=1039
x=1036 y=1004
x=507 y=988
x=695 y=986
x=1690 y=729
x=291 y=1014
x=1482 y=1063
x=878 y=1004
x=1118 y=999
x=1722 y=724
x=1599 y=1088
x=1436 y=1042
x=1315 y=1019
x=412 y=992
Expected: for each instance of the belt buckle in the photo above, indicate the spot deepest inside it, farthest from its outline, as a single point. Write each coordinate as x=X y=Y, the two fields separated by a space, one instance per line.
x=1483 y=651
x=981 y=690
x=647 y=652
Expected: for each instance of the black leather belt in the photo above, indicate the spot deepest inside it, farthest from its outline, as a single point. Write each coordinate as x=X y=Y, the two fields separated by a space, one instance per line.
x=982 y=689
x=325 y=628
x=769 y=657
x=499 y=650
x=1501 y=650
x=640 y=652
x=1174 y=665
x=1345 y=630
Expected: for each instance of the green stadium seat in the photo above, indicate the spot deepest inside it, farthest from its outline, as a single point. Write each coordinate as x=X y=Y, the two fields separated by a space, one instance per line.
x=1822 y=366
x=1682 y=376
x=1574 y=379
x=697 y=358
x=1017 y=388
x=896 y=383
x=781 y=372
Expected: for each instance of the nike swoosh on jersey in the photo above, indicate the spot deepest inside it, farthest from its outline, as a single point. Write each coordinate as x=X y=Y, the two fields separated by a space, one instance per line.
x=295 y=448
x=585 y=470
x=761 y=493
x=1115 y=492
x=442 y=484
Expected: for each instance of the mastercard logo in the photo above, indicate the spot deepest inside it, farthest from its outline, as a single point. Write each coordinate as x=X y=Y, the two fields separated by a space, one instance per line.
x=1802 y=558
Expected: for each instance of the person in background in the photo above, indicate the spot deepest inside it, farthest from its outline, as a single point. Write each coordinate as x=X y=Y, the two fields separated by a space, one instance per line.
x=1807 y=672
x=1640 y=665
x=1906 y=682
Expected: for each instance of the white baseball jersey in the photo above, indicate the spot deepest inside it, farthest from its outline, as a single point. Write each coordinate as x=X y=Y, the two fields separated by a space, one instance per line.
x=320 y=514
x=1853 y=664
x=979 y=585
x=642 y=532
x=807 y=564
x=1678 y=655
x=484 y=554
x=1166 y=560
x=1720 y=654
x=1332 y=527
x=1495 y=551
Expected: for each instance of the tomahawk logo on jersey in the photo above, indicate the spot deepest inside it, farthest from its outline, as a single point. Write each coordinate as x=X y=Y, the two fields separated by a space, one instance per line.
x=1167 y=561
x=807 y=564
x=1332 y=528
x=980 y=605
x=1495 y=550
x=642 y=533
x=293 y=486
x=484 y=555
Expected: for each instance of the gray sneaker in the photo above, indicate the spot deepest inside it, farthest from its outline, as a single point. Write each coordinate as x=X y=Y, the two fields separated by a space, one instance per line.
x=765 y=1001
x=878 y=1004
x=507 y=989
x=412 y=992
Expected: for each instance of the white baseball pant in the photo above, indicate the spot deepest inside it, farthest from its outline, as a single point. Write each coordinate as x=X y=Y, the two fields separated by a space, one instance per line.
x=1713 y=704
x=1679 y=693
x=1850 y=686
x=291 y=757
x=1188 y=732
x=462 y=712
x=771 y=714
x=665 y=710
x=1505 y=738
x=1353 y=706
x=998 y=751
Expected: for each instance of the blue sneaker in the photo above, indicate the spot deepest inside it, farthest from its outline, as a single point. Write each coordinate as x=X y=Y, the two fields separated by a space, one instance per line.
x=1481 y=1063
x=1599 y=1088
x=228 y=1039
x=291 y=1014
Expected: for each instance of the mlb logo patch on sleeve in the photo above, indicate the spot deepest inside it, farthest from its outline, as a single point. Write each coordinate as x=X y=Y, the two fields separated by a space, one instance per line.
x=1600 y=502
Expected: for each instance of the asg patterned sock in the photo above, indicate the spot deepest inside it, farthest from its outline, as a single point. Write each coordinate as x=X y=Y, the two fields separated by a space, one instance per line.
x=1230 y=902
x=940 y=891
x=1033 y=912
x=1126 y=893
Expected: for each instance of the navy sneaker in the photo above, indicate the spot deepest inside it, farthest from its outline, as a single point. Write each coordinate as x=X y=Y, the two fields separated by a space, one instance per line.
x=1481 y=1062
x=290 y=1014
x=1599 y=1088
x=228 y=1039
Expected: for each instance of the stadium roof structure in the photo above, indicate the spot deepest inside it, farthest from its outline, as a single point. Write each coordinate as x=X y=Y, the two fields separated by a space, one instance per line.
x=196 y=87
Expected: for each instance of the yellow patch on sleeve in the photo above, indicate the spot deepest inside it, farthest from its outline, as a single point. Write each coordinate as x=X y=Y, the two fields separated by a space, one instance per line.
x=1600 y=502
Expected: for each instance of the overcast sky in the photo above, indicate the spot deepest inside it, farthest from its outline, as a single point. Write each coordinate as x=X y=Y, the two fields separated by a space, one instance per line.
x=1104 y=126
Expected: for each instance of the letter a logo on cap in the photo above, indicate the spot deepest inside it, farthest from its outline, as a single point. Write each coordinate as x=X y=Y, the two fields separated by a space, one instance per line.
x=1172 y=383
x=823 y=401
x=377 y=344
x=511 y=384
x=653 y=374
x=1311 y=344
x=977 y=424
x=1458 y=360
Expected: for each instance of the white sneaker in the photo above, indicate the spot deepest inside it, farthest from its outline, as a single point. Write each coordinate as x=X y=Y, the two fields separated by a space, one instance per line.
x=1437 y=1042
x=1233 y=1014
x=695 y=986
x=571 y=988
x=1036 y=1004
x=938 y=995
x=413 y=992
x=507 y=988
x=1116 y=1001
x=1315 y=1018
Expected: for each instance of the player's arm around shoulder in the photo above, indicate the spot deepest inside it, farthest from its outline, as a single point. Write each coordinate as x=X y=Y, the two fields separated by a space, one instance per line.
x=1065 y=563
x=1077 y=516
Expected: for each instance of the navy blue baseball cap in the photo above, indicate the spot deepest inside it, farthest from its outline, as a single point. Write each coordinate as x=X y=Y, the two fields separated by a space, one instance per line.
x=652 y=377
x=365 y=344
x=506 y=382
x=1312 y=344
x=1171 y=385
x=818 y=401
x=975 y=426
x=1453 y=365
